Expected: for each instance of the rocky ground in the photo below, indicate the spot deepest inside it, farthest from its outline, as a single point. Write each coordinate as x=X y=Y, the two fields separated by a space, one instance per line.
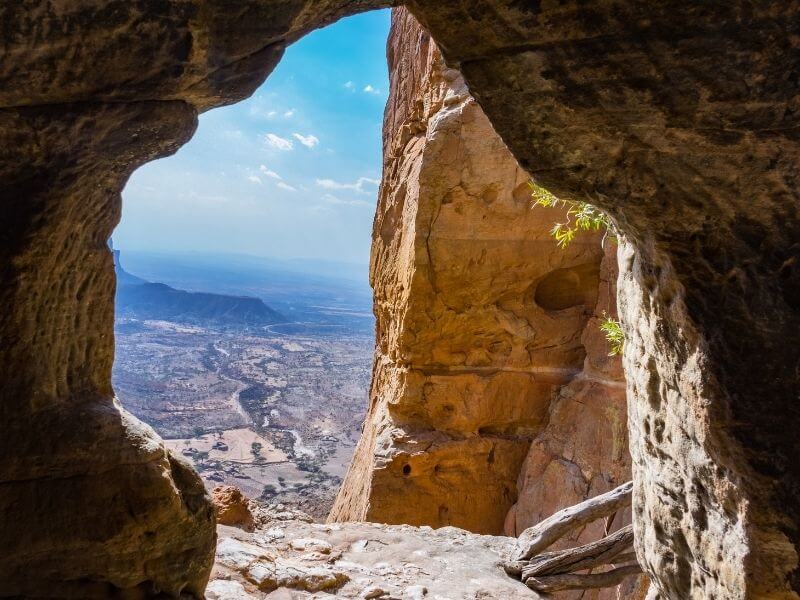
x=287 y=557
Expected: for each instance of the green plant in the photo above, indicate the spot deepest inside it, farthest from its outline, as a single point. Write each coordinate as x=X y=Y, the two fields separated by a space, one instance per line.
x=581 y=216
x=614 y=334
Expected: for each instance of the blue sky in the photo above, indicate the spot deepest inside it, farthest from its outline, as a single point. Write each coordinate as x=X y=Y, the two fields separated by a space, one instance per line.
x=291 y=172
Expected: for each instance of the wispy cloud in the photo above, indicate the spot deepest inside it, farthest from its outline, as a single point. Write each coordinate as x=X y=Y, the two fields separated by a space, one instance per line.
x=290 y=113
x=254 y=179
x=285 y=186
x=359 y=186
x=331 y=199
x=261 y=109
x=309 y=141
x=369 y=89
x=268 y=172
x=349 y=85
x=278 y=142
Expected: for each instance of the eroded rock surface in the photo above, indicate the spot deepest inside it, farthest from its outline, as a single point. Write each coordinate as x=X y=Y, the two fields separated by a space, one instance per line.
x=479 y=313
x=292 y=560
x=92 y=504
x=583 y=450
x=680 y=121
x=232 y=507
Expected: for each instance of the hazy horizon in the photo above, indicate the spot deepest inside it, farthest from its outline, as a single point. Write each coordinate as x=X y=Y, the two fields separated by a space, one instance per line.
x=234 y=261
x=291 y=173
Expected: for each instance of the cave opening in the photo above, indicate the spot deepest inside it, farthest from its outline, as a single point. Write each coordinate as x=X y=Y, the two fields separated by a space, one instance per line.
x=257 y=373
x=244 y=326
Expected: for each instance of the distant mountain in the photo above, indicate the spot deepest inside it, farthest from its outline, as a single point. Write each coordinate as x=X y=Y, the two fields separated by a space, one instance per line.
x=335 y=303
x=141 y=299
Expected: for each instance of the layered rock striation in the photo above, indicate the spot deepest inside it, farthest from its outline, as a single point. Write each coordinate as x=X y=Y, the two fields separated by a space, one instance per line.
x=681 y=122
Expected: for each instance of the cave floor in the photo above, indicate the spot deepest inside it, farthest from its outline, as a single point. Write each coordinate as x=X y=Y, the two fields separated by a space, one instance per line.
x=292 y=559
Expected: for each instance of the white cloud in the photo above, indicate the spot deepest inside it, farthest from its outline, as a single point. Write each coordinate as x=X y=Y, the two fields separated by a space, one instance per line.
x=278 y=142
x=359 y=186
x=349 y=85
x=368 y=89
x=272 y=113
x=289 y=113
x=285 y=186
x=309 y=141
x=331 y=199
x=254 y=179
x=269 y=173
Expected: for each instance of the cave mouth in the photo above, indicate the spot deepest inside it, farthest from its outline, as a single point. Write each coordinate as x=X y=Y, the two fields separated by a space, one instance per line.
x=243 y=316
x=256 y=369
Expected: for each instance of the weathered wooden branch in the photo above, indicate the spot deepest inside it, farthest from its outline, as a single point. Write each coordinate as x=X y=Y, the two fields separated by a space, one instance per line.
x=572 y=581
x=559 y=570
x=542 y=535
x=588 y=556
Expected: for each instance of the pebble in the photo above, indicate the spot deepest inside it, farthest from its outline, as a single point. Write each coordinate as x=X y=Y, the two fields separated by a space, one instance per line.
x=373 y=592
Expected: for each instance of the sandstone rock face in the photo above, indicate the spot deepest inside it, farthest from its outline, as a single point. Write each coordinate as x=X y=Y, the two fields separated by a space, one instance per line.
x=583 y=450
x=479 y=314
x=92 y=503
x=233 y=507
x=680 y=121
x=678 y=118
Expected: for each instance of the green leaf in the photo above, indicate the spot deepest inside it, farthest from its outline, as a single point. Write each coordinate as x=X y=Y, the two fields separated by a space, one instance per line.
x=615 y=336
x=581 y=216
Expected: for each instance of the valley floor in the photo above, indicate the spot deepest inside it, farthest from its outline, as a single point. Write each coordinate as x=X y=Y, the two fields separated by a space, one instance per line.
x=277 y=415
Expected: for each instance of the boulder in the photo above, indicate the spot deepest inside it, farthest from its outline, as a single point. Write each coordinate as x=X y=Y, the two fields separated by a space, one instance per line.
x=232 y=506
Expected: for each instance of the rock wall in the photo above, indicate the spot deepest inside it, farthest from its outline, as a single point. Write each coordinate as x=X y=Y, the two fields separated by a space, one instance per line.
x=680 y=119
x=583 y=451
x=488 y=333
x=481 y=321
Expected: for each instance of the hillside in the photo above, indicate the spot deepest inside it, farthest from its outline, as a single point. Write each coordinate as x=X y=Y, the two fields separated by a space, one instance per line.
x=141 y=299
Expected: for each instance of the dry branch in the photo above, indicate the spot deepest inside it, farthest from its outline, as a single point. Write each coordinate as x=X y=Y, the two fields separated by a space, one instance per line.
x=559 y=570
x=591 y=555
x=542 y=535
x=572 y=581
